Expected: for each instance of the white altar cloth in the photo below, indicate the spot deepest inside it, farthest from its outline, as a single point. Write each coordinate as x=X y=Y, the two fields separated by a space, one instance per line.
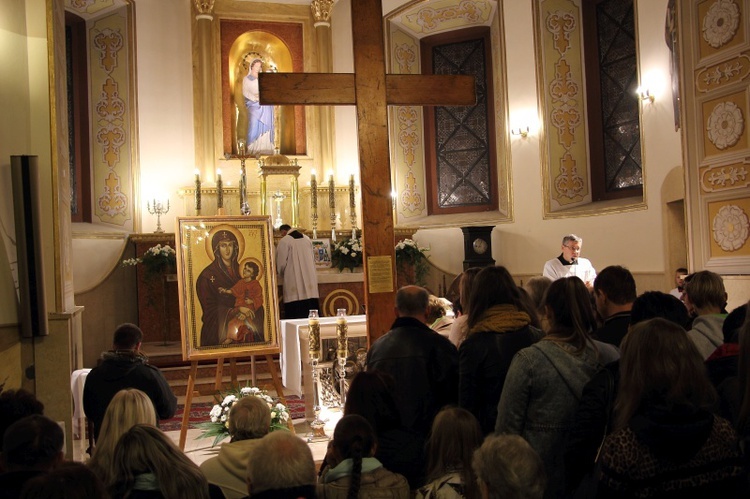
x=294 y=360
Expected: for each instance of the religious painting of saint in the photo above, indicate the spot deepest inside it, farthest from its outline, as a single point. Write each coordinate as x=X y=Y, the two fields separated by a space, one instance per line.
x=228 y=299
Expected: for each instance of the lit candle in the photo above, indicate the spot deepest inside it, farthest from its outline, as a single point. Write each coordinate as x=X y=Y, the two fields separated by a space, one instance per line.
x=313 y=192
x=219 y=190
x=331 y=193
x=351 y=193
x=197 y=191
x=314 y=337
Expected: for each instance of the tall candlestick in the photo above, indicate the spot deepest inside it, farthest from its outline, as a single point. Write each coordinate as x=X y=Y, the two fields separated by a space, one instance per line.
x=197 y=192
x=314 y=203
x=219 y=190
x=317 y=426
x=342 y=350
x=332 y=206
x=352 y=207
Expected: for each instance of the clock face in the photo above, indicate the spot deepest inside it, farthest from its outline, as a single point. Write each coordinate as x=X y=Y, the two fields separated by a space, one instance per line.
x=479 y=245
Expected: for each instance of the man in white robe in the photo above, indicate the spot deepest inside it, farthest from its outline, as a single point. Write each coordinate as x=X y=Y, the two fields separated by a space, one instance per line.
x=569 y=263
x=296 y=266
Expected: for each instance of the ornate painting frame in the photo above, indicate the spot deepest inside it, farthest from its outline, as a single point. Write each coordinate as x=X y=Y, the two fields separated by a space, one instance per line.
x=227 y=287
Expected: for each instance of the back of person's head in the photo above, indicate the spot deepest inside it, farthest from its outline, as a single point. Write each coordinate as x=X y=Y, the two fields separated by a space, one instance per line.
x=436 y=308
x=568 y=307
x=617 y=284
x=706 y=290
x=509 y=468
x=733 y=324
x=659 y=363
x=411 y=301
x=284 y=227
x=353 y=439
x=249 y=418
x=526 y=304
x=537 y=286
x=127 y=337
x=69 y=480
x=371 y=396
x=743 y=374
x=146 y=449
x=127 y=408
x=15 y=405
x=465 y=286
x=281 y=461
x=455 y=436
x=652 y=304
x=33 y=443
x=492 y=286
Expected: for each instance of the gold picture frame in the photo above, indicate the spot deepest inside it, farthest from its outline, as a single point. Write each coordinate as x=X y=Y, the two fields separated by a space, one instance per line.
x=227 y=287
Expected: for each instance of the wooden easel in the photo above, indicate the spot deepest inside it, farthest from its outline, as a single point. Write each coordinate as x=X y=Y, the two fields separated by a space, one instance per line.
x=218 y=385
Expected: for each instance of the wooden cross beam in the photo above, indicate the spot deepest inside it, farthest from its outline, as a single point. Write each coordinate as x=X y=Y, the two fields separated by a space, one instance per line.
x=371 y=90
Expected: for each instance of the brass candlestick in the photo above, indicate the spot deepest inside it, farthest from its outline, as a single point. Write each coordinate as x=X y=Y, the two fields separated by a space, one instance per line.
x=314 y=203
x=352 y=207
x=242 y=156
x=342 y=351
x=332 y=206
x=197 y=192
x=219 y=191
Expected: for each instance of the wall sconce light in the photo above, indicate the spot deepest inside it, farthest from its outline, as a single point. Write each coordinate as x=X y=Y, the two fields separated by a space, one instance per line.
x=645 y=95
x=522 y=131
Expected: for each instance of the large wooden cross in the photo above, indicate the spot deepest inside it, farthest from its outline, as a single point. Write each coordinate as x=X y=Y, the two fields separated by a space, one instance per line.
x=372 y=90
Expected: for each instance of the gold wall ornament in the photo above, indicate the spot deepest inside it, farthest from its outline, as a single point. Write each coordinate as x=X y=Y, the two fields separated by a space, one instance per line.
x=204 y=7
x=321 y=11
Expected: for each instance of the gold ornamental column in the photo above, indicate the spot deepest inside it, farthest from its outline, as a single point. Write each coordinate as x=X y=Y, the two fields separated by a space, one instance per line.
x=321 y=11
x=204 y=129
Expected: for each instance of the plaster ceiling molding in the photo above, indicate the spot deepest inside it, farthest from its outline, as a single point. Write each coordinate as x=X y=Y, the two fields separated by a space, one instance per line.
x=725 y=125
x=730 y=227
x=721 y=22
x=429 y=18
x=93 y=9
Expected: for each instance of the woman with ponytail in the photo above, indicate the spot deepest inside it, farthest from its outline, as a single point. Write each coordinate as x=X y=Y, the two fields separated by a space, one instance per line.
x=352 y=471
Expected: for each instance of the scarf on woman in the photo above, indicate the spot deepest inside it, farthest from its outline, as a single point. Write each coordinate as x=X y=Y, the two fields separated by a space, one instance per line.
x=501 y=318
x=344 y=468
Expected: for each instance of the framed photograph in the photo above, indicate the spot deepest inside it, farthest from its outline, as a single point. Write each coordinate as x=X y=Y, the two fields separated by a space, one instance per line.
x=227 y=287
x=322 y=253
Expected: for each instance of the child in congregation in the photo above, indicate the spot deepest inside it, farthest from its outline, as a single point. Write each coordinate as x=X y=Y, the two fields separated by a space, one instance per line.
x=352 y=471
x=454 y=438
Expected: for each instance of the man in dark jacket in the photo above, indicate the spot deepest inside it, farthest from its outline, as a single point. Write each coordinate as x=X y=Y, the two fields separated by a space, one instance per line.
x=614 y=293
x=125 y=367
x=423 y=363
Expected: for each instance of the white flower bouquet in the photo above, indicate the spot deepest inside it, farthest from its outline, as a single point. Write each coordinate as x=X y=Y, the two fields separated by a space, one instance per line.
x=347 y=254
x=410 y=255
x=157 y=259
x=218 y=426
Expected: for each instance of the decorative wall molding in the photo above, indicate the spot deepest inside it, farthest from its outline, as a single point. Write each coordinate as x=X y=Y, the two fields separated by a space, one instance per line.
x=723 y=74
x=717 y=178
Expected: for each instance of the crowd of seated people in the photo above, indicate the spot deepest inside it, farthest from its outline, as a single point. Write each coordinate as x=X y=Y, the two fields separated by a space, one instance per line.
x=569 y=404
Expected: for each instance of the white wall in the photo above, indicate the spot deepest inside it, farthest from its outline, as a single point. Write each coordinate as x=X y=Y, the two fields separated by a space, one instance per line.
x=632 y=239
x=165 y=105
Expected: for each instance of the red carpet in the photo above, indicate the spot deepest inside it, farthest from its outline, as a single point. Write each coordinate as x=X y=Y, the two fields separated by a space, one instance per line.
x=199 y=413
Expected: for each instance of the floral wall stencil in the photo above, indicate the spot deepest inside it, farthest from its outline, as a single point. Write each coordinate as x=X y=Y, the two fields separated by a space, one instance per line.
x=730 y=227
x=725 y=125
x=721 y=22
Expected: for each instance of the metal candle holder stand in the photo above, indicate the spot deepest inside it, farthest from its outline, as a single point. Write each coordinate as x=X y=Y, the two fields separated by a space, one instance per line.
x=317 y=426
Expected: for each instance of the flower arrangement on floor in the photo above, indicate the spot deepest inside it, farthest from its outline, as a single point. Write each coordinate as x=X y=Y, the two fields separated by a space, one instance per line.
x=347 y=254
x=157 y=260
x=218 y=427
x=410 y=255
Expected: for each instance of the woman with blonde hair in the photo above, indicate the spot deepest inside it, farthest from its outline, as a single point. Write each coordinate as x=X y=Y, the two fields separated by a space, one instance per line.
x=667 y=442
x=455 y=436
x=147 y=464
x=128 y=408
x=545 y=381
